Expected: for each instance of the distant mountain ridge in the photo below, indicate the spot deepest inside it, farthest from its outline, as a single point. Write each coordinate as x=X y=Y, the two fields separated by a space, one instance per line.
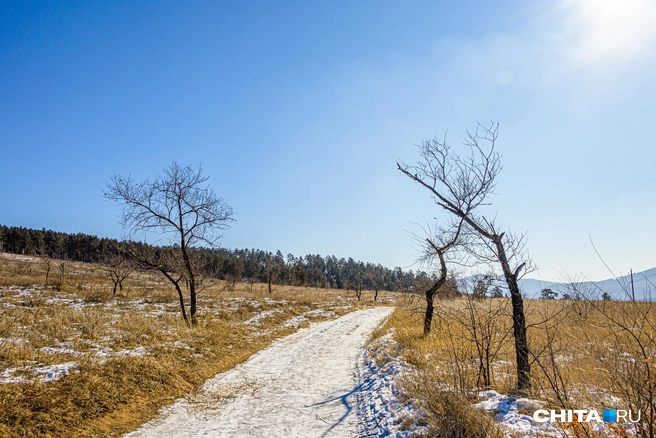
x=644 y=284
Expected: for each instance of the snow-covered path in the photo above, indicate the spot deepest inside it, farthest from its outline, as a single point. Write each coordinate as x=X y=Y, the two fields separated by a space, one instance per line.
x=301 y=386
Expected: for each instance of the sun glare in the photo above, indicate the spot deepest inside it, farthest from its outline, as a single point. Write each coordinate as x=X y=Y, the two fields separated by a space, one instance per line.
x=610 y=29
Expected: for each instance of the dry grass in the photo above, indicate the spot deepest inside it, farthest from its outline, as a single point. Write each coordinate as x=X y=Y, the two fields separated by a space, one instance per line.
x=129 y=354
x=587 y=355
x=448 y=413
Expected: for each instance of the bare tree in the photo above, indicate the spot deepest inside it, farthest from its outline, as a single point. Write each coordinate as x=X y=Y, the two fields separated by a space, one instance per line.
x=119 y=267
x=46 y=261
x=163 y=260
x=273 y=267
x=375 y=279
x=462 y=185
x=62 y=271
x=179 y=206
x=435 y=246
x=481 y=287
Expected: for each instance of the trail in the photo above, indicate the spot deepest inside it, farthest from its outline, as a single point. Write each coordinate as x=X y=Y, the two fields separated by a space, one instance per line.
x=302 y=386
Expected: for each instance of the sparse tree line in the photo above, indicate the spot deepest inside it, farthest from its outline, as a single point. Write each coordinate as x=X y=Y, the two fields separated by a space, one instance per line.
x=76 y=247
x=227 y=264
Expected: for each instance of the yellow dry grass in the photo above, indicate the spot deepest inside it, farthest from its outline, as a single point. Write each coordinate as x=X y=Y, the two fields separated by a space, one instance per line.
x=585 y=354
x=131 y=353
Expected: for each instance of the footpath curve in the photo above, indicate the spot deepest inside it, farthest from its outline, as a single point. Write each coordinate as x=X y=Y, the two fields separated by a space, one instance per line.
x=301 y=386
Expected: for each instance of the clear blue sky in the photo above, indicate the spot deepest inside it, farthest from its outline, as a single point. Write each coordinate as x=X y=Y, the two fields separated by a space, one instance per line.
x=299 y=110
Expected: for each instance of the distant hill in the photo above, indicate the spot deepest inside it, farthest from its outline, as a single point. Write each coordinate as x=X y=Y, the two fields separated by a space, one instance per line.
x=644 y=284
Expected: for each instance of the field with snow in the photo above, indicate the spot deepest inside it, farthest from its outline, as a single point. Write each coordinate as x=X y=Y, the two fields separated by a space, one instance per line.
x=586 y=355
x=77 y=361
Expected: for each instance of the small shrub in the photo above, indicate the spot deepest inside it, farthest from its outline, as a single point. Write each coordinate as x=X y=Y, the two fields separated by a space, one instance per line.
x=449 y=414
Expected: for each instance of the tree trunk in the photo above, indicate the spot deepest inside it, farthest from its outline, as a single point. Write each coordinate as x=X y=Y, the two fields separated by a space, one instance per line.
x=428 y=317
x=182 y=305
x=432 y=291
x=192 y=304
x=114 y=291
x=430 y=298
x=519 y=320
x=176 y=283
x=270 y=283
x=192 y=282
x=376 y=294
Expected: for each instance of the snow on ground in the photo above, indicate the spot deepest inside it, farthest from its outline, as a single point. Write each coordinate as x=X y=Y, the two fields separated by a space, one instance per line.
x=381 y=413
x=304 y=385
x=59 y=350
x=511 y=414
x=320 y=312
x=295 y=321
x=48 y=373
x=103 y=353
x=262 y=315
x=16 y=341
x=515 y=416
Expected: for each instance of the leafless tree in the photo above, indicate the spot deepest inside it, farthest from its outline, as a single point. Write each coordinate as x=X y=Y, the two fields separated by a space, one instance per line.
x=119 y=267
x=462 y=186
x=251 y=282
x=435 y=244
x=273 y=269
x=358 y=289
x=179 y=206
x=163 y=260
x=62 y=271
x=46 y=261
x=375 y=280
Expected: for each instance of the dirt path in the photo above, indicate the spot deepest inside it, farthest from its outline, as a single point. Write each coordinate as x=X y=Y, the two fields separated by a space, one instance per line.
x=301 y=386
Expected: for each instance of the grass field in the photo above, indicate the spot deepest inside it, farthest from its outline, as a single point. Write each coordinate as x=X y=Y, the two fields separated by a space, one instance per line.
x=585 y=355
x=77 y=361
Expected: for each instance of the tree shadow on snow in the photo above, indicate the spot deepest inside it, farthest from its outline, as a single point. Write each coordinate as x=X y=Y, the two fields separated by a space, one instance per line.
x=345 y=402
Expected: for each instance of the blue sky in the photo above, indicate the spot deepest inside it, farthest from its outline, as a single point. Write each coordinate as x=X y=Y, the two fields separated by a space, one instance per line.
x=299 y=111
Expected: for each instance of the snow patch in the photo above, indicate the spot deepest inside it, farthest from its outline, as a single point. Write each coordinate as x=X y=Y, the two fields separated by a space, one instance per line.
x=47 y=373
x=295 y=321
x=58 y=350
x=108 y=353
x=320 y=312
x=381 y=413
x=16 y=341
x=262 y=315
x=510 y=413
